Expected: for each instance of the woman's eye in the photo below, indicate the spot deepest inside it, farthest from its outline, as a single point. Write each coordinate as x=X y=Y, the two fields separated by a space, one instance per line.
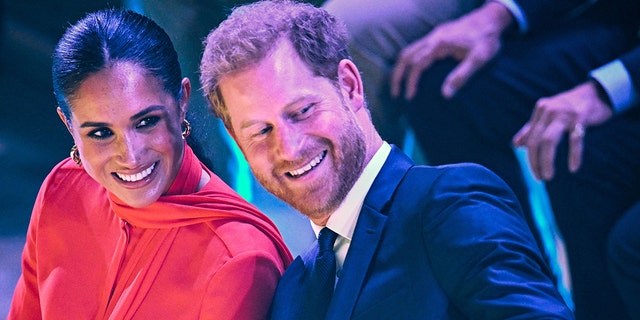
x=148 y=122
x=100 y=134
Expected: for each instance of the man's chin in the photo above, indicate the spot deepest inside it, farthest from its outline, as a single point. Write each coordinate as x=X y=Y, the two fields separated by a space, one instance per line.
x=311 y=204
x=313 y=209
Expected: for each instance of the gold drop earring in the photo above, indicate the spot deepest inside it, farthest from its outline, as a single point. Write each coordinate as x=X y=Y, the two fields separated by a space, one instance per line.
x=75 y=155
x=187 y=129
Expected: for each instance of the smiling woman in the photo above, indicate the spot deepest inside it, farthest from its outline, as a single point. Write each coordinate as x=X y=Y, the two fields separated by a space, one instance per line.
x=127 y=129
x=134 y=206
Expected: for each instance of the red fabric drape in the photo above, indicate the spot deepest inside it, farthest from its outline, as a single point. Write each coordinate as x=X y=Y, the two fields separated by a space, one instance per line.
x=181 y=206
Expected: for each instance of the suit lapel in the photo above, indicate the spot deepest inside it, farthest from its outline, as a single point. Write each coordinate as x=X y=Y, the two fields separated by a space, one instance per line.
x=367 y=234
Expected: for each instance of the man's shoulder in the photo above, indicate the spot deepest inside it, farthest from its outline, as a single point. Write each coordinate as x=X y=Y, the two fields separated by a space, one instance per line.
x=425 y=175
x=468 y=170
x=430 y=183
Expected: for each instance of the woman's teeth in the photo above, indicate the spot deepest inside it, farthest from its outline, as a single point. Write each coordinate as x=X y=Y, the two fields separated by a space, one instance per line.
x=138 y=176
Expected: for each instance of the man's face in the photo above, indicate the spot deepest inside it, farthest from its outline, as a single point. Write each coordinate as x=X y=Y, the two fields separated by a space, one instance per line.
x=297 y=131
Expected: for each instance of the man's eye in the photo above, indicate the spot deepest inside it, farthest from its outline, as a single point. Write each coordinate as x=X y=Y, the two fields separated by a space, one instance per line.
x=264 y=131
x=148 y=122
x=302 y=112
x=100 y=134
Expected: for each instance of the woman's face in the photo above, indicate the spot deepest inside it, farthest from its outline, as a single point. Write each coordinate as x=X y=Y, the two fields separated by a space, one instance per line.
x=128 y=132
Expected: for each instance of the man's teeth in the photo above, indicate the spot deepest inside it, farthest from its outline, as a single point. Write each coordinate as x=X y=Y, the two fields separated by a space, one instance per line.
x=308 y=167
x=138 y=176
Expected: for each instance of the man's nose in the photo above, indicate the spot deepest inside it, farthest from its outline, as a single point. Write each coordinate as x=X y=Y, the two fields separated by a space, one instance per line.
x=288 y=141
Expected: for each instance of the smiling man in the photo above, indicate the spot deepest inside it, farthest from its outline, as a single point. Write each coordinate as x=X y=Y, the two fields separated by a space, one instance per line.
x=412 y=241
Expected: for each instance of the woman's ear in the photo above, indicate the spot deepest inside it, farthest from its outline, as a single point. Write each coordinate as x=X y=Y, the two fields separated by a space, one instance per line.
x=351 y=83
x=184 y=98
x=64 y=119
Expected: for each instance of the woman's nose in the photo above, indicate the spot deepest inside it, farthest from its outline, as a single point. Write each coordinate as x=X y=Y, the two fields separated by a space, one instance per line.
x=129 y=148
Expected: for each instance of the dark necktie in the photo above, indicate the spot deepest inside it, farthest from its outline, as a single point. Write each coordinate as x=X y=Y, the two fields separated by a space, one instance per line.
x=322 y=275
x=306 y=288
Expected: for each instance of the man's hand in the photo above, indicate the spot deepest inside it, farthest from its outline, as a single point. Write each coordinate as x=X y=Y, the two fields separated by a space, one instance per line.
x=570 y=111
x=473 y=39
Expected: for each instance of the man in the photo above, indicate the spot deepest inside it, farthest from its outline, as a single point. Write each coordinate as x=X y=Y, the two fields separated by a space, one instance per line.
x=413 y=241
x=561 y=78
x=377 y=36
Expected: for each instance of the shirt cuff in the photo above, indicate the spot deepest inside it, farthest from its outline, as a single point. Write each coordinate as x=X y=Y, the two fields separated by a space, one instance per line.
x=517 y=13
x=616 y=82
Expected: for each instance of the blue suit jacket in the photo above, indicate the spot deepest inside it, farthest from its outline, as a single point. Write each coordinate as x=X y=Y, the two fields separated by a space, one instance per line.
x=444 y=242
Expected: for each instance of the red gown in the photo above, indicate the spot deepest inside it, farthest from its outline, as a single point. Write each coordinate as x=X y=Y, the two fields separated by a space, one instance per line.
x=190 y=255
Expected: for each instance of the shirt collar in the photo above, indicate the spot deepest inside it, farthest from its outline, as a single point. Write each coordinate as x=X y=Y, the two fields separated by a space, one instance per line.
x=343 y=220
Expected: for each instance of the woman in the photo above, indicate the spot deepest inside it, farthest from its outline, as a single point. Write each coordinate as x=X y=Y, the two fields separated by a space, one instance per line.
x=133 y=225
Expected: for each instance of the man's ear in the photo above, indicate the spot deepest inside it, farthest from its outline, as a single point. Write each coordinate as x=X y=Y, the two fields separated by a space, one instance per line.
x=184 y=98
x=351 y=83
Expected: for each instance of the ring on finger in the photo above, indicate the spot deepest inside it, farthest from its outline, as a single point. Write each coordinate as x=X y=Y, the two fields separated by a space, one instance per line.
x=577 y=131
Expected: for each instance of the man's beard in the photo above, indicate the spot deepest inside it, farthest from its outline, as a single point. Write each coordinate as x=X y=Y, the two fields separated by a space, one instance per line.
x=350 y=163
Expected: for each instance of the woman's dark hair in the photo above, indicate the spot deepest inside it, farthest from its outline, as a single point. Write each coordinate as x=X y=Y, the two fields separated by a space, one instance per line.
x=103 y=38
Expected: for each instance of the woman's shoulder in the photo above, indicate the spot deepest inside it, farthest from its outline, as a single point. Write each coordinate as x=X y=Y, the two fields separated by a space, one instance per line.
x=239 y=236
x=69 y=180
x=67 y=196
x=231 y=241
